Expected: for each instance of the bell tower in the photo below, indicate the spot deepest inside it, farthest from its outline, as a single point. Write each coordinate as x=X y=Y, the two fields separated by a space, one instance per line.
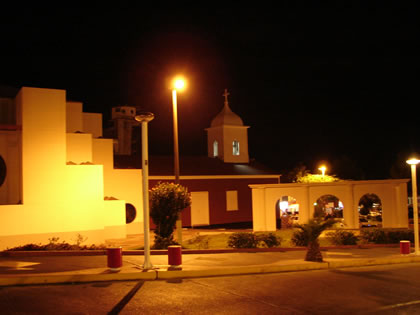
x=227 y=137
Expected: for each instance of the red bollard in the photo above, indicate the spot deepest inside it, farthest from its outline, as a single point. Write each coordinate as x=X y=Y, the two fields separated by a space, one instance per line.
x=174 y=256
x=405 y=247
x=114 y=258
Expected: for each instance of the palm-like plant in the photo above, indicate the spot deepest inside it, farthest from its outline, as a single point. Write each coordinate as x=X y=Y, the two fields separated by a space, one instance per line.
x=311 y=231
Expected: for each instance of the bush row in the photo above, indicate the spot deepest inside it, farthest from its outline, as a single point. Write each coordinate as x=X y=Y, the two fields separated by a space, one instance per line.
x=386 y=236
x=373 y=236
x=55 y=245
x=253 y=240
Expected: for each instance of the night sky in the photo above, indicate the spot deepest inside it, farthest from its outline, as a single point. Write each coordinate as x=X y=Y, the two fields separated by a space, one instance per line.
x=332 y=83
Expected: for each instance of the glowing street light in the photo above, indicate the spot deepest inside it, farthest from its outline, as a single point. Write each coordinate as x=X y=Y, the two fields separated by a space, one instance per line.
x=144 y=118
x=178 y=85
x=413 y=162
x=323 y=169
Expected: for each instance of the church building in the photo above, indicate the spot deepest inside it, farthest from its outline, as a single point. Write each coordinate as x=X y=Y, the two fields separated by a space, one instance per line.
x=219 y=182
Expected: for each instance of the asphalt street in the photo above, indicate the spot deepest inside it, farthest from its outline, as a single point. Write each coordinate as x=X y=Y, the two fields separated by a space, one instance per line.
x=387 y=289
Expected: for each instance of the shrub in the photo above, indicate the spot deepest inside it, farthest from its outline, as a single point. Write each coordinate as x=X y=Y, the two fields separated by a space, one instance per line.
x=316 y=178
x=376 y=236
x=251 y=240
x=243 y=240
x=395 y=236
x=269 y=240
x=167 y=200
x=299 y=238
x=55 y=245
x=163 y=242
x=341 y=237
x=386 y=236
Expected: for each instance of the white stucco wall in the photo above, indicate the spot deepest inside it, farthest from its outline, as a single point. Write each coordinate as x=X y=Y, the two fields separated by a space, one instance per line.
x=79 y=147
x=123 y=184
x=92 y=123
x=74 y=117
x=393 y=195
x=235 y=133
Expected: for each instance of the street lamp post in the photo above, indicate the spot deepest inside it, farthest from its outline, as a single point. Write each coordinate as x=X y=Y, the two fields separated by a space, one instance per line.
x=144 y=119
x=176 y=146
x=178 y=85
x=413 y=163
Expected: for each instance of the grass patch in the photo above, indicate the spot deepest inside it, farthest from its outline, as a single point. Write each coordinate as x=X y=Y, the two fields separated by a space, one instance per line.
x=208 y=241
x=220 y=240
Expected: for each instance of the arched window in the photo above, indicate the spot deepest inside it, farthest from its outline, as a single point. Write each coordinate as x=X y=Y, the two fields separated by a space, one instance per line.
x=215 y=148
x=130 y=213
x=235 y=146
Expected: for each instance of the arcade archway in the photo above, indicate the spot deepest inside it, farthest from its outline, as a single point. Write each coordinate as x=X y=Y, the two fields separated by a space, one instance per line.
x=330 y=207
x=370 y=211
x=287 y=212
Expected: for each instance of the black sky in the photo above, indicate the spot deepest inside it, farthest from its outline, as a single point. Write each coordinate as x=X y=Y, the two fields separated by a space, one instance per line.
x=335 y=83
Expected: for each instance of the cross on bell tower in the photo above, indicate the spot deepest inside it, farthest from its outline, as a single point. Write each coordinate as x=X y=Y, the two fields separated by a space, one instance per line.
x=226 y=94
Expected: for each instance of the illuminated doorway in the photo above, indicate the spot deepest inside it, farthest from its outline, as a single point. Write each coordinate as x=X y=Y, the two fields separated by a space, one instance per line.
x=370 y=211
x=330 y=207
x=287 y=212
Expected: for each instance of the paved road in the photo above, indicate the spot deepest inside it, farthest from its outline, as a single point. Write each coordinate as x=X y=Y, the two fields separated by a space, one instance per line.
x=389 y=289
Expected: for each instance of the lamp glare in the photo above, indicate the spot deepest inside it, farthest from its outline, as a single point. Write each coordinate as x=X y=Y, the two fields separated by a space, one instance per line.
x=413 y=161
x=179 y=84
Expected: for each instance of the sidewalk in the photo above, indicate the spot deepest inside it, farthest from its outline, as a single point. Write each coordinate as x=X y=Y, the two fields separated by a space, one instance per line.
x=29 y=268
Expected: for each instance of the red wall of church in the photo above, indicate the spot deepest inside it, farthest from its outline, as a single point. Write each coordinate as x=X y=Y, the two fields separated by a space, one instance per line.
x=217 y=198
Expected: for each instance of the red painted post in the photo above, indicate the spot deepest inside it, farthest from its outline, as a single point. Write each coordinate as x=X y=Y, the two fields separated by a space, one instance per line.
x=405 y=247
x=114 y=258
x=174 y=256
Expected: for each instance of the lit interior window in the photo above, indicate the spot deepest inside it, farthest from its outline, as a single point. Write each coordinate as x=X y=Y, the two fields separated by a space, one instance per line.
x=215 y=148
x=235 y=147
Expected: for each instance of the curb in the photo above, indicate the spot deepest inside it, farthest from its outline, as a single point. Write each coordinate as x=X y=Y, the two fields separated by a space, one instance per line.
x=185 y=274
x=76 y=278
x=182 y=274
x=373 y=262
x=184 y=251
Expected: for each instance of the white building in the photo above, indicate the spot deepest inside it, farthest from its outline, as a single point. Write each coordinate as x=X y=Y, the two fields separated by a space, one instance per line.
x=59 y=178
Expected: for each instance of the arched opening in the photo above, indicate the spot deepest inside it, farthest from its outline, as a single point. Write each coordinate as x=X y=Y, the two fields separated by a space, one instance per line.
x=215 y=148
x=287 y=212
x=130 y=213
x=370 y=211
x=330 y=207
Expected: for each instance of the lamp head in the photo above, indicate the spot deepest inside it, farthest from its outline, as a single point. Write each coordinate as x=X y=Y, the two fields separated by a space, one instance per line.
x=413 y=161
x=178 y=84
x=145 y=117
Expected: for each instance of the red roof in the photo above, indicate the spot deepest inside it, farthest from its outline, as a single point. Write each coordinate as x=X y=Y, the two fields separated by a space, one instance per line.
x=193 y=165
